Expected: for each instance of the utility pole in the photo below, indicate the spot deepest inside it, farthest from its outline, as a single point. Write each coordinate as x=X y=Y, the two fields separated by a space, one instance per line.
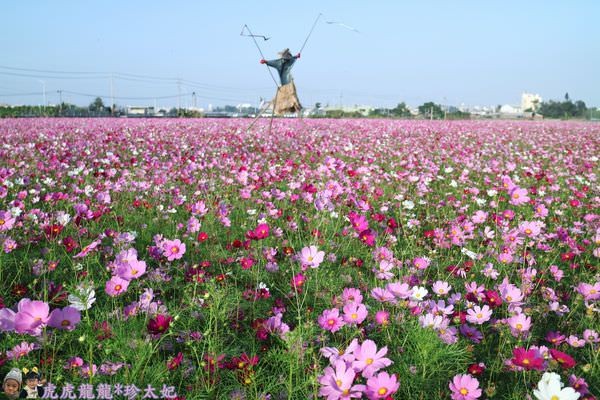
x=178 y=96
x=43 y=92
x=59 y=91
x=431 y=113
x=112 y=96
x=194 y=99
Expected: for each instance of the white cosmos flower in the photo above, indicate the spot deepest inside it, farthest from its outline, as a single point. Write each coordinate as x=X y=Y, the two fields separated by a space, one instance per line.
x=82 y=298
x=551 y=388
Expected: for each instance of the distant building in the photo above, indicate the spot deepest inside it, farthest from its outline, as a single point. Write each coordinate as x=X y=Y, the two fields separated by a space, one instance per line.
x=140 y=111
x=530 y=101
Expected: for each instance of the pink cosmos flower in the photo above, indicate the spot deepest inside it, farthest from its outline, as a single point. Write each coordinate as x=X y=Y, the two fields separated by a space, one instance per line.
x=73 y=362
x=338 y=383
x=383 y=295
x=126 y=256
x=384 y=271
x=382 y=386
x=441 y=288
x=132 y=270
x=173 y=249
x=20 y=350
x=479 y=315
x=382 y=317
x=311 y=256
x=464 y=387
x=7 y=320
x=518 y=196
x=589 y=292
x=355 y=313
x=31 y=316
x=421 y=262
x=530 y=229
x=400 y=290
x=351 y=295
x=368 y=359
x=7 y=221
x=116 y=285
x=331 y=320
x=519 y=324
x=65 y=318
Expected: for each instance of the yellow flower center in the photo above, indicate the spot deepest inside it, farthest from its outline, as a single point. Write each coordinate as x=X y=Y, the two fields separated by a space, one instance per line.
x=369 y=361
x=338 y=382
x=519 y=326
x=555 y=397
x=515 y=196
x=65 y=322
x=174 y=249
x=479 y=316
x=463 y=391
x=526 y=361
x=118 y=288
x=382 y=391
x=310 y=258
x=331 y=321
x=354 y=315
x=1 y=221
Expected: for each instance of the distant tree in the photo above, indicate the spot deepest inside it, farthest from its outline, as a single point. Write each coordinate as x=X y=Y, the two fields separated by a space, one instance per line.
x=96 y=105
x=567 y=96
x=318 y=105
x=401 y=110
x=431 y=110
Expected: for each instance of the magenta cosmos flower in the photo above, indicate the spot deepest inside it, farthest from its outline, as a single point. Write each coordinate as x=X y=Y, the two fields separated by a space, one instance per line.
x=382 y=386
x=338 y=383
x=173 y=249
x=311 y=257
x=31 y=316
x=65 y=318
x=465 y=387
x=159 y=324
x=331 y=320
x=116 y=285
x=368 y=359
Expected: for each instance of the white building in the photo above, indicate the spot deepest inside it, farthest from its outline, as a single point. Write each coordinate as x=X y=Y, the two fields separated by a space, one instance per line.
x=530 y=101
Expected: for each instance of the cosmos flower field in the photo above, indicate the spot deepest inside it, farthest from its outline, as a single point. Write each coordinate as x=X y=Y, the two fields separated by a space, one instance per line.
x=329 y=259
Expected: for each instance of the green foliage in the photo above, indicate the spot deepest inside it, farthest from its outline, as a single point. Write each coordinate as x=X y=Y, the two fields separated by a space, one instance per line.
x=565 y=109
x=431 y=110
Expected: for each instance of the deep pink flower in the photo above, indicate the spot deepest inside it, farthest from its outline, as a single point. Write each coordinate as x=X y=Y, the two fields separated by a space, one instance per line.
x=159 y=324
x=528 y=359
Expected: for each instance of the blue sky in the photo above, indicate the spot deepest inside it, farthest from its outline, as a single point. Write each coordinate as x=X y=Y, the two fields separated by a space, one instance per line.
x=450 y=52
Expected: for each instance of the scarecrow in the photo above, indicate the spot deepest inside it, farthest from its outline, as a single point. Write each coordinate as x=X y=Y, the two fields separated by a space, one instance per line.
x=286 y=98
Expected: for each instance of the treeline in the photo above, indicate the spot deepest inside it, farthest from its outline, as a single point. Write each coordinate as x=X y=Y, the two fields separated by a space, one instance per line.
x=564 y=109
